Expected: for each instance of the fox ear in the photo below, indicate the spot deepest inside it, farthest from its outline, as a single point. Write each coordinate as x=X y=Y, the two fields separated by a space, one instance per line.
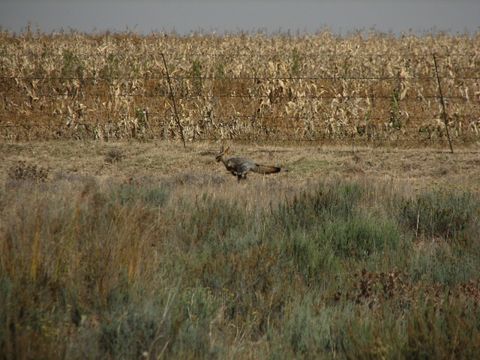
x=227 y=149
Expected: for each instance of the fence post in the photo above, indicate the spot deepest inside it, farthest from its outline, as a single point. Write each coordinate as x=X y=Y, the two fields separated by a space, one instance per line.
x=177 y=118
x=442 y=101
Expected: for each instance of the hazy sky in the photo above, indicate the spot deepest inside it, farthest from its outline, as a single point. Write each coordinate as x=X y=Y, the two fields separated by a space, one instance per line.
x=185 y=16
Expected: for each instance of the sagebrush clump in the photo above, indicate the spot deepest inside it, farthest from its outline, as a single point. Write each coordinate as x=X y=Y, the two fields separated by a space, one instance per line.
x=131 y=270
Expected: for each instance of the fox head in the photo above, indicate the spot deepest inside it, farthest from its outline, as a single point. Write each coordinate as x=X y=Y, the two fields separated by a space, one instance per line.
x=222 y=152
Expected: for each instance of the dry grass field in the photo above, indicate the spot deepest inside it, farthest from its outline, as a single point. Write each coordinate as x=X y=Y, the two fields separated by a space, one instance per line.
x=118 y=242
x=195 y=168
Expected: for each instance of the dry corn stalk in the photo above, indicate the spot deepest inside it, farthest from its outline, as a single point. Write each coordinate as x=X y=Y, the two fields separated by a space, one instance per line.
x=248 y=87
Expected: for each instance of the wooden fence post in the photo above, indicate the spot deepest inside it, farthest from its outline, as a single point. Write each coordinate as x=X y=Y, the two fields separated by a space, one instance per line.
x=442 y=101
x=177 y=118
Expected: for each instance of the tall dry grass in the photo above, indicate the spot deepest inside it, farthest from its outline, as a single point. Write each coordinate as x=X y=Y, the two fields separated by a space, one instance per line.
x=339 y=269
x=248 y=86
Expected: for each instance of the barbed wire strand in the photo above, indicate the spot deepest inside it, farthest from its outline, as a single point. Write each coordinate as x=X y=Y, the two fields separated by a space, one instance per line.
x=238 y=78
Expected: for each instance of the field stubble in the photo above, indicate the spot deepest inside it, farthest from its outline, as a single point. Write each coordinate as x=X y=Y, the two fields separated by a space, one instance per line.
x=415 y=168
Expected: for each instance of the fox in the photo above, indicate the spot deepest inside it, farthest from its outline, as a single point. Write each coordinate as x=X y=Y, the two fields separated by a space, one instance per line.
x=240 y=167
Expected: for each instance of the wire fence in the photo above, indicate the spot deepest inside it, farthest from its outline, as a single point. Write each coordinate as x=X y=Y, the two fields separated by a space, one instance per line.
x=150 y=90
x=350 y=77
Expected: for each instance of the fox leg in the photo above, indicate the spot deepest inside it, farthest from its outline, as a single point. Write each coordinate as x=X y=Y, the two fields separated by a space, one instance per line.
x=241 y=177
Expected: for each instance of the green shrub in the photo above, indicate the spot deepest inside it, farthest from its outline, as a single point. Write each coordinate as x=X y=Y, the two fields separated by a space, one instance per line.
x=310 y=333
x=443 y=331
x=312 y=255
x=131 y=332
x=156 y=196
x=361 y=236
x=177 y=323
x=444 y=265
x=211 y=222
x=192 y=317
x=326 y=202
x=440 y=214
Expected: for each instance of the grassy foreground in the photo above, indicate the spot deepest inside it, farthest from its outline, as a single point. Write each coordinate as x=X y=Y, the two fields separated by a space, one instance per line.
x=338 y=269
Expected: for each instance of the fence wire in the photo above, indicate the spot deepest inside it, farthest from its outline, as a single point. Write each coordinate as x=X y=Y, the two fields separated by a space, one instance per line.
x=239 y=78
x=106 y=84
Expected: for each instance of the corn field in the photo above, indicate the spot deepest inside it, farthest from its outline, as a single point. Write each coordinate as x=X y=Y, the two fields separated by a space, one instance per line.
x=243 y=86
